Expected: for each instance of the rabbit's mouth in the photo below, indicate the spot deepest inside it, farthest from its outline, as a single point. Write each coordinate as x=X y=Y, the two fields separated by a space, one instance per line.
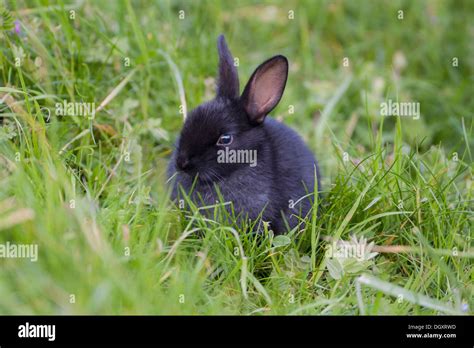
x=200 y=177
x=205 y=178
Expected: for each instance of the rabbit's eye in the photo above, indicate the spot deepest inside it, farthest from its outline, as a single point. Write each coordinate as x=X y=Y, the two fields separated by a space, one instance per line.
x=225 y=139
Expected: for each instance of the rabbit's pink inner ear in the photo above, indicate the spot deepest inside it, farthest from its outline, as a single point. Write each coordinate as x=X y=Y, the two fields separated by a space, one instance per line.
x=265 y=88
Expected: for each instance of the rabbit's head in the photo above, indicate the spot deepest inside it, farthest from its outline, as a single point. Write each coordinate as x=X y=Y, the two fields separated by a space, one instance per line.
x=230 y=120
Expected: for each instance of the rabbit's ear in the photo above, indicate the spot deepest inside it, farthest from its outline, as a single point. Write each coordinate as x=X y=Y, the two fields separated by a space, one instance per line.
x=265 y=88
x=228 y=80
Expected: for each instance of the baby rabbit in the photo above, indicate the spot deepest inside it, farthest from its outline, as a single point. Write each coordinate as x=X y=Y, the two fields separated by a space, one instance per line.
x=277 y=176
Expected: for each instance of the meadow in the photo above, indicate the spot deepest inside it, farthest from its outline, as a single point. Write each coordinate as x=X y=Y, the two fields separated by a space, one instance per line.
x=93 y=95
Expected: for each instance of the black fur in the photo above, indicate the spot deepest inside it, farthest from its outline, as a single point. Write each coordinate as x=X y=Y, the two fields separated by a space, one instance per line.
x=285 y=168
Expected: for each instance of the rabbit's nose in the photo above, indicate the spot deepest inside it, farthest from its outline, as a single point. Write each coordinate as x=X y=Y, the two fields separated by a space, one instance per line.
x=183 y=163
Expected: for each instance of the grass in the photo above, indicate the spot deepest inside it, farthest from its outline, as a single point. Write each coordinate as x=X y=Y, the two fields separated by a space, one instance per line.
x=91 y=193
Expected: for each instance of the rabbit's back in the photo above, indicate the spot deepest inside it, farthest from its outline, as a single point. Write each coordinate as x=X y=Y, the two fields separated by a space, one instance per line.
x=295 y=169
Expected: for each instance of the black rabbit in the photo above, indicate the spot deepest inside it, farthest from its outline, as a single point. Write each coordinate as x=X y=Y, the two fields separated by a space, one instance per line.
x=277 y=176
